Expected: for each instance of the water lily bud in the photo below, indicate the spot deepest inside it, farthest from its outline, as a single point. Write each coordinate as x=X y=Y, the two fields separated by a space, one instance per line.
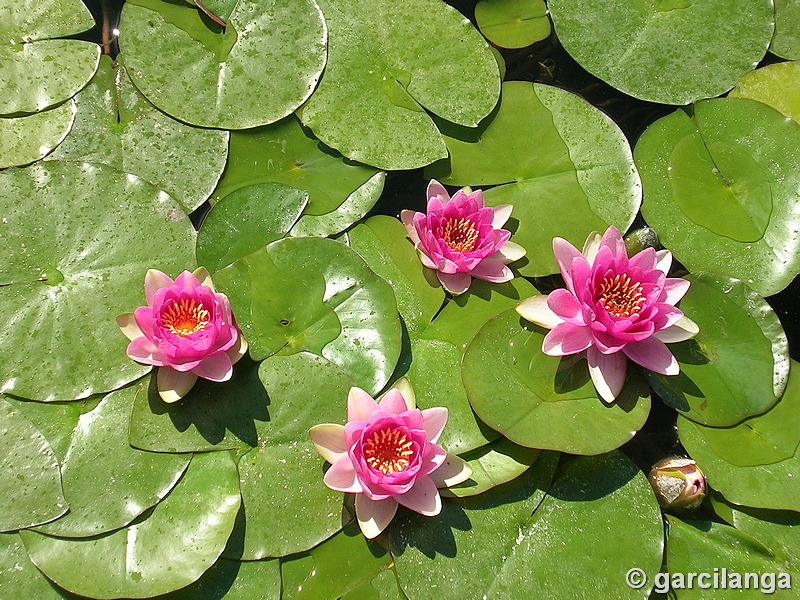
x=639 y=239
x=679 y=483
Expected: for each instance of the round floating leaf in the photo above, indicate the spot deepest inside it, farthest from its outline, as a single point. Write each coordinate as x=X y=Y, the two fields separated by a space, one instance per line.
x=542 y=401
x=56 y=420
x=777 y=85
x=248 y=219
x=317 y=295
x=80 y=239
x=18 y=577
x=722 y=187
x=284 y=153
x=786 y=40
x=383 y=243
x=667 y=51
x=171 y=548
x=493 y=465
x=230 y=75
x=38 y=71
x=107 y=483
x=774 y=486
x=595 y=502
x=24 y=140
x=287 y=506
x=512 y=23
x=31 y=484
x=234 y=580
x=567 y=166
x=116 y=126
x=737 y=366
x=382 y=75
x=777 y=530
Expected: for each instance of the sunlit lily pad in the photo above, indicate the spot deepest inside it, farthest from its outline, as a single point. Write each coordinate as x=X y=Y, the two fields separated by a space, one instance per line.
x=230 y=76
x=778 y=530
x=777 y=85
x=55 y=420
x=382 y=75
x=567 y=167
x=542 y=401
x=494 y=464
x=106 y=482
x=190 y=527
x=512 y=23
x=721 y=190
x=79 y=241
x=234 y=580
x=116 y=126
x=786 y=40
x=316 y=295
x=26 y=139
x=18 y=577
x=737 y=366
x=31 y=487
x=37 y=70
x=668 y=51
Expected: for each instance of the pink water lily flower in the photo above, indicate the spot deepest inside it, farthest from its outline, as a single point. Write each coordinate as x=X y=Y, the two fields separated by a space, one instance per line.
x=614 y=308
x=462 y=238
x=387 y=455
x=187 y=329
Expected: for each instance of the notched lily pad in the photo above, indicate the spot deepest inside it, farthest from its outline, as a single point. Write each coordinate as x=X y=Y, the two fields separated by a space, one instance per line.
x=512 y=23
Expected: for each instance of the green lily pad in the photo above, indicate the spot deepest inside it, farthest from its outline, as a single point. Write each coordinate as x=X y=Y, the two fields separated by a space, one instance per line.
x=542 y=401
x=107 y=483
x=737 y=366
x=234 y=580
x=777 y=85
x=494 y=464
x=229 y=75
x=778 y=530
x=567 y=169
x=667 y=51
x=317 y=295
x=285 y=153
x=384 y=586
x=765 y=439
x=37 y=70
x=786 y=39
x=248 y=219
x=212 y=416
x=490 y=545
x=169 y=549
x=18 y=577
x=721 y=187
x=382 y=75
x=31 y=486
x=774 y=486
x=56 y=420
x=288 y=508
x=336 y=566
x=116 y=126
x=80 y=240
x=512 y=23
x=26 y=139
x=696 y=546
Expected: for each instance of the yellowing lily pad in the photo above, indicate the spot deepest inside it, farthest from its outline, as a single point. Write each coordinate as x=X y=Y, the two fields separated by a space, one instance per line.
x=777 y=85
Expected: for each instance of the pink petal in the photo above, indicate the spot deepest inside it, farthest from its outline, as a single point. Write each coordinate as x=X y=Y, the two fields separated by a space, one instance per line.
x=407 y=217
x=646 y=260
x=434 y=458
x=453 y=471
x=591 y=246
x=683 y=330
x=203 y=276
x=437 y=190
x=144 y=351
x=425 y=259
x=567 y=339
x=612 y=239
x=501 y=215
x=675 y=289
x=374 y=515
x=174 y=385
x=422 y=498
x=217 y=367
x=360 y=405
x=342 y=476
x=153 y=280
x=536 y=310
x=328 y=439
x=492 y=270
x=654 y=355
x=565 y=253
x=607 y=372
x=565 y=306
x=127 y=323
x=393 y=403
x=455 y=283
x=434 y=420
x=187 y=280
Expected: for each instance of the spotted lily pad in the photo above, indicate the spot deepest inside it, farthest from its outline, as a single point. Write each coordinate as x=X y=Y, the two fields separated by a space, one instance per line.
x=512 y=23
x=26 y=139
x=786 y=40
x=80 y=240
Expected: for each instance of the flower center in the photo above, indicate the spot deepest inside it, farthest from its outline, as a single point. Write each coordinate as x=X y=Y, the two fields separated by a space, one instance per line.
x=620 y=296
x=388 y=451
x=460 y=235
x=185 y=316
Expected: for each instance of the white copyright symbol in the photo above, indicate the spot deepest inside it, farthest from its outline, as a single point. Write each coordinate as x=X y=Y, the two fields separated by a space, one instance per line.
x=636 y=578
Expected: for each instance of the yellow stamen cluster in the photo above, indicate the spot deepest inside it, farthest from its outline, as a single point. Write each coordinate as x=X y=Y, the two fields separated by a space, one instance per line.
x=620 y=296
x=185 y=316
x=460 y=235
x=388 y=451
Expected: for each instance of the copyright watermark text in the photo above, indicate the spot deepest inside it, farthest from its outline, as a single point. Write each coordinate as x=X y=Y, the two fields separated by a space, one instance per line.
x=718 y=579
